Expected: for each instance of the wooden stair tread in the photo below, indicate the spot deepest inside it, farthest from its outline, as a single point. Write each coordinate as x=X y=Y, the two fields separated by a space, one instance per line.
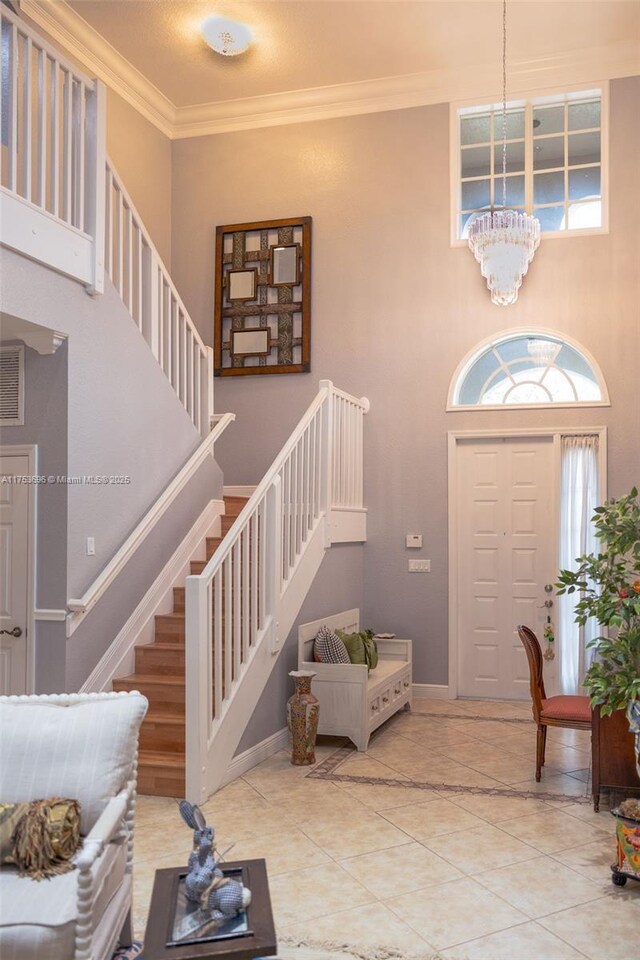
x=158 y=678
x=161 y=718
x=160 y=758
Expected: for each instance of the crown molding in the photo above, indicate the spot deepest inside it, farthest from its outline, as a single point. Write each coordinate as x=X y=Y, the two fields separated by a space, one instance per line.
x=481 y=83
x=89 y=48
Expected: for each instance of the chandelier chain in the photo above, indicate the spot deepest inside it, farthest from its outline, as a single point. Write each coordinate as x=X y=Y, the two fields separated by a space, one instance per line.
x=504 y=104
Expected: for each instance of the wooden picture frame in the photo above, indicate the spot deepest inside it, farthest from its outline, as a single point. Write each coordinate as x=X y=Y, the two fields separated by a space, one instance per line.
x=281 y=308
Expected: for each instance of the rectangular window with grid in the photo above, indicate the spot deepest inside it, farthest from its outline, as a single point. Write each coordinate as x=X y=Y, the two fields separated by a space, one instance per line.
x=554 y=159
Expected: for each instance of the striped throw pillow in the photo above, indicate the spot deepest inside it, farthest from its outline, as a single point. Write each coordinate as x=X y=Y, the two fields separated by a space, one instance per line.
x=329 y=648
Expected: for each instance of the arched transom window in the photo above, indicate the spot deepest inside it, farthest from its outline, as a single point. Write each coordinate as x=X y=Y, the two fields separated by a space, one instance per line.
x=527 y=370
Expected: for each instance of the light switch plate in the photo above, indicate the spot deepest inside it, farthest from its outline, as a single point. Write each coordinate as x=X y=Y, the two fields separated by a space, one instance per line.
x=91 y=546
x=414 y=541
x=419 y=566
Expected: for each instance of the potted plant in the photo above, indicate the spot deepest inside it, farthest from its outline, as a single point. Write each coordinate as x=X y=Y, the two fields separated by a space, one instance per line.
x=609 y=587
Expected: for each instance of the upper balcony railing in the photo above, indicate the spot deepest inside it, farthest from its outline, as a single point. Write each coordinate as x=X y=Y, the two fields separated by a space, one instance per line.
x=63 y=204
x=52 y=124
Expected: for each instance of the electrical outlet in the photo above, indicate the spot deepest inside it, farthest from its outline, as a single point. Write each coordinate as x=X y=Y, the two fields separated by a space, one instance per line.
x=419 y=566
x=91 y=546
x=414 y=541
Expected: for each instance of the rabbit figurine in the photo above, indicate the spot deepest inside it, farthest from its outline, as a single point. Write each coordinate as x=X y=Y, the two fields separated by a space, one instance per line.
x=202 y=865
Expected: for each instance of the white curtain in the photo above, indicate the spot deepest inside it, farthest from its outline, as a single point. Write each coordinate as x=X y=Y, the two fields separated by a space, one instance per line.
x=579 y=496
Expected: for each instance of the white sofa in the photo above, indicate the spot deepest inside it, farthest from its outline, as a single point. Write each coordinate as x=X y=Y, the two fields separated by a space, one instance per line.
x=353 y=701
x=81 y=747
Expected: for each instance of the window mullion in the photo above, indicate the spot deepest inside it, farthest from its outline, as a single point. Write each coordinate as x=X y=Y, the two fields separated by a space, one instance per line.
x=528 y=156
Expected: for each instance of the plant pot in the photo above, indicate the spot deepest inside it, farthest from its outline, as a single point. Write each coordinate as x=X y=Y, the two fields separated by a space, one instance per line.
x=302 y=719
x=627 y=865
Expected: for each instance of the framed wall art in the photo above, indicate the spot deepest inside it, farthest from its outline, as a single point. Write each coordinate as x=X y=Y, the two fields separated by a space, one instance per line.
x=262 y=319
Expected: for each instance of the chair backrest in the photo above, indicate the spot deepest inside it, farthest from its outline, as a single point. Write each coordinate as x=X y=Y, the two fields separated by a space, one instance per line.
x=533 y=651
x=77 y=746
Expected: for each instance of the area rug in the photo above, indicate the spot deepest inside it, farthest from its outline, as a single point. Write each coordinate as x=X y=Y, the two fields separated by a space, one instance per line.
x=329 y=769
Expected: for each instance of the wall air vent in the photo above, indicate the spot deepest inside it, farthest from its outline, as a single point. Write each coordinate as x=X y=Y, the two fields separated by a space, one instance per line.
x=11 y=386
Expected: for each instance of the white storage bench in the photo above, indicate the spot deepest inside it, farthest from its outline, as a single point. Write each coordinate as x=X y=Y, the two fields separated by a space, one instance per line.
x=353 y=703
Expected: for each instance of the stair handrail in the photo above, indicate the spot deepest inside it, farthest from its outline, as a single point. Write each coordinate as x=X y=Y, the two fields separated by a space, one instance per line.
x=252 y=569
x=79 y=608
x=145 y=286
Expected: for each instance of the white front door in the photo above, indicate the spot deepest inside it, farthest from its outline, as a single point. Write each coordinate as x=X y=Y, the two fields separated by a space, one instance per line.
x=14 y=574
x=506 y=553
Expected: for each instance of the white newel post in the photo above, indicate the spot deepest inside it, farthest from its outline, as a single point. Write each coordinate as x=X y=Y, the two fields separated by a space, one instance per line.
x=151 y=301
x=96 y=158
x=326 y=458
x=198 y=685
x=274 y=552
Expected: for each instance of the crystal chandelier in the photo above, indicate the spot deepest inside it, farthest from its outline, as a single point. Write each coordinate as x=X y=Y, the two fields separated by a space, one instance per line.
x=504 y=241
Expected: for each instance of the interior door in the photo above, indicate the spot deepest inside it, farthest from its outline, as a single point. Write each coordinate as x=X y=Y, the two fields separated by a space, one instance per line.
x=506 y=555
x=14 y=570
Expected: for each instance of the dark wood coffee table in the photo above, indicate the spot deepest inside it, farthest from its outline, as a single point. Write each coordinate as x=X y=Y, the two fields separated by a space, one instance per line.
x=260 y=943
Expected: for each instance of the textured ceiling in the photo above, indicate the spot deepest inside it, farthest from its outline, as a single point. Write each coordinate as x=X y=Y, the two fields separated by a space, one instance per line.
x=300 y=44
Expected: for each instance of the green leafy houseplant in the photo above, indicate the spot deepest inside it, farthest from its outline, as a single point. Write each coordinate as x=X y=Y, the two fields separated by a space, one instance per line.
x=609 y=588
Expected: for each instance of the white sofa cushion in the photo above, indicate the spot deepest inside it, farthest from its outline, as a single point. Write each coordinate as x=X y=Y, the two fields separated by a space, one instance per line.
x=81 y=750
x=38 y=920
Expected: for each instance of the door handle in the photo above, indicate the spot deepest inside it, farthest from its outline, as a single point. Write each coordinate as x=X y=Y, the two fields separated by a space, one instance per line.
x=548 y=604
x=16 y=632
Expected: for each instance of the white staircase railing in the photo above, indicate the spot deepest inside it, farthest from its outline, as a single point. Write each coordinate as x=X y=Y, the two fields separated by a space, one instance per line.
x=63 y=204
x=53 y=123
x=240 y=609
x=147 y=291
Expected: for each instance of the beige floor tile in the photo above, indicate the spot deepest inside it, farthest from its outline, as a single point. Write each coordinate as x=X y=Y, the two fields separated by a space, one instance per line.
x=528 y=941
x=474 y=750
x=592 y=860
x=480 y=848
x=425 y=820
x=540 y=886
x=605 y=929
x=167 y=838
x=284 y=852
x=486 y=730
x=400 y=870
x=354 y=835
x=495 y=808
x=451 y=913
x=507 y=770
x=559 y=784
x=153 y=810
x=382 y=797
x=361 y=765
x=552 y=831
x=315 y=892
x=369 y=926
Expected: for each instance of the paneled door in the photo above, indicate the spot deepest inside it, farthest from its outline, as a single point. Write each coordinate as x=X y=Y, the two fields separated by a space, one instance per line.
x=506 y=526
x=14 y=570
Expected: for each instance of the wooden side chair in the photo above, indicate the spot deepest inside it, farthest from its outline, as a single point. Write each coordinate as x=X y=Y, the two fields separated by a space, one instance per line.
x=561 y=711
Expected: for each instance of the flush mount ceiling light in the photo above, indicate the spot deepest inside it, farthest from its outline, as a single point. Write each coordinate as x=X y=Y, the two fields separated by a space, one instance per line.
x=226 y=36
x=504 y=241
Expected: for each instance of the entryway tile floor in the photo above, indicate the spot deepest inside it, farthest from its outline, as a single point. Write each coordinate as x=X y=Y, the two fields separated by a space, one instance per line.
x=437 y=840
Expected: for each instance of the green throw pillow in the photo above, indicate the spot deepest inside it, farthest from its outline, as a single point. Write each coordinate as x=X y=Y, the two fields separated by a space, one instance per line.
x=361 y=647
x=355 y=646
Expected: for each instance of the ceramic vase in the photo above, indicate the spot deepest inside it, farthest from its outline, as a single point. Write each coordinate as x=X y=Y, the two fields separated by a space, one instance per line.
x=302 y=718
x=633 y=716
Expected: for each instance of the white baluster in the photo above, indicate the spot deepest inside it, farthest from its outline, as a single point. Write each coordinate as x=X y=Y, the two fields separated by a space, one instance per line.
x=12 y=98
x=67 y=155
x=218 y=642
x=246 y=593
x=27 y=168
x=228 y=625
x=42 y=128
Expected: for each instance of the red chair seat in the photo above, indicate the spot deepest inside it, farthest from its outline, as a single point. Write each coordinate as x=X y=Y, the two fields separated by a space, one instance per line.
x=567 y=708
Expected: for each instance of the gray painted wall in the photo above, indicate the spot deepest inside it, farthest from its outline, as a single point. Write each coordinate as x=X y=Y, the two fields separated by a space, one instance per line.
x=395 y=308
x=45 y=426
x=337 y=586
x=123 y=417
x=100 y=627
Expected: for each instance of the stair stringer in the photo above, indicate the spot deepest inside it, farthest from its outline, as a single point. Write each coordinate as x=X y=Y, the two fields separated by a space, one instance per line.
x=226 y=733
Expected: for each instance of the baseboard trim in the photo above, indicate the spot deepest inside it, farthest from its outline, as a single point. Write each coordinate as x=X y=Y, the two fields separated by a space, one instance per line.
x=238 y=491
x=133 y=632
x=254 y=755
x=431 y=691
